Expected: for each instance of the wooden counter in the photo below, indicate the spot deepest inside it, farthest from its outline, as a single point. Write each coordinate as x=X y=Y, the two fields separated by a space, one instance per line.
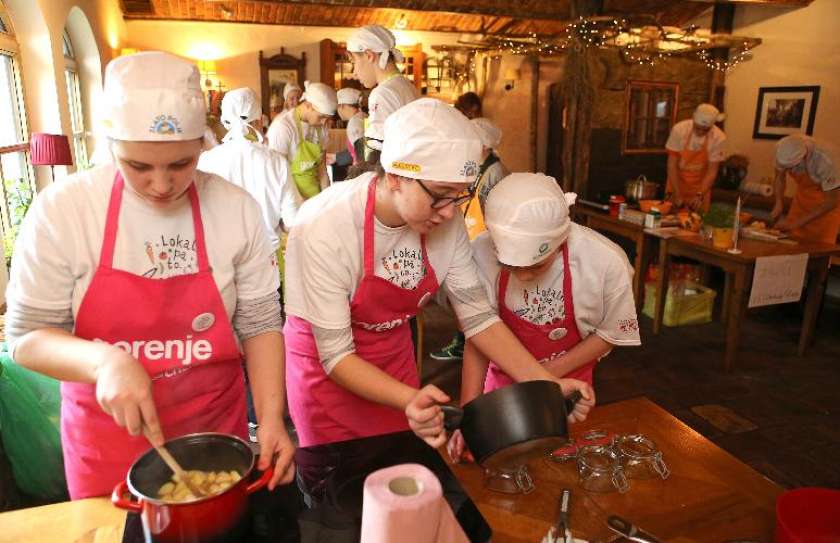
x=710 y=495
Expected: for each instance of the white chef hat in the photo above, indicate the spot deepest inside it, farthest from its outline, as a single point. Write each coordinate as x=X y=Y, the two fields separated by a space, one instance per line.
x=706 y=115
x=240 y=107
x=491 y=135
x=527 y=215
x=153 y=96
x=349 y=96
x=790 y=150
x=289 y=89
x=377 y=39
x=428 y=139
x=321 y=96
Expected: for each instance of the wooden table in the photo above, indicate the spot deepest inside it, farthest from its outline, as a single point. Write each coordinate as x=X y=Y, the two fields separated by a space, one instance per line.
x=604 y=222
x=709 y=496
x=739 y=274
x=93 y=520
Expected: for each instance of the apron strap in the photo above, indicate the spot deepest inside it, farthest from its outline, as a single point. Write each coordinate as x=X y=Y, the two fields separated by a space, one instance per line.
x=568 y=300
x=106 y=255
x=504 y=277
x=367 y=250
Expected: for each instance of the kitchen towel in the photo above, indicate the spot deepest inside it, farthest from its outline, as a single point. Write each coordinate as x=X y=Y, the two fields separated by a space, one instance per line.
x=752 y=187
x=405 y=503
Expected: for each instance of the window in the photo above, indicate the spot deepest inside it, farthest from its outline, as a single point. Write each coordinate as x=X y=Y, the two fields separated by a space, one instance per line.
x=650 y=115
x=74 y=99
x=16 y=174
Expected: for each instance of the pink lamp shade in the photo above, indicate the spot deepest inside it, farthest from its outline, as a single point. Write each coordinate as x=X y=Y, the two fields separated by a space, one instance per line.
x=50 y=150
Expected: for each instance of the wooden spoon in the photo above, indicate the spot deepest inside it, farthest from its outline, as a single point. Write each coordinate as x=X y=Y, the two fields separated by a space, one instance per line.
x=174 y=466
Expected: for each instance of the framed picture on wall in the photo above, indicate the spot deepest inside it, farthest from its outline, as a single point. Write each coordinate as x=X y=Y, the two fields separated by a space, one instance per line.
x=275 y=73
x=785 y=110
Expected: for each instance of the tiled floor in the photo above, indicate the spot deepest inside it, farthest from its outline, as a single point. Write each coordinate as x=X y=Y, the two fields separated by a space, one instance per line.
x=793 y=402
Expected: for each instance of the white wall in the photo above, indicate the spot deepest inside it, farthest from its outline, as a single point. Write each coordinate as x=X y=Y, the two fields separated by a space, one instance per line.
x=800 y=47
x=235 y=47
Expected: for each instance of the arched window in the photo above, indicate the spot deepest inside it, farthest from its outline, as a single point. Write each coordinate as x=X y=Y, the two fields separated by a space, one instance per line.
x=74 y=98
x=17 y=185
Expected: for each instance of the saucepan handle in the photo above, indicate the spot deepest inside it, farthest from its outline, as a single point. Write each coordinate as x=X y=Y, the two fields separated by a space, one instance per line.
x=452 y=417
x=118 y=499
x=572 y=400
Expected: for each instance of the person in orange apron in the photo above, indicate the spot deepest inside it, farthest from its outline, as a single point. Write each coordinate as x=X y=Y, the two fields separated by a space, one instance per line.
x=125 y=283
x=362 y=258
x=695 y=151
x=490 y=173
x=814 y=213
x=565 y=291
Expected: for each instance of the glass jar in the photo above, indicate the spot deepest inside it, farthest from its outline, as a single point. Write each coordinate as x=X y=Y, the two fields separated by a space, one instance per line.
x=514 y=480
x=599 y=469
x=640 y=457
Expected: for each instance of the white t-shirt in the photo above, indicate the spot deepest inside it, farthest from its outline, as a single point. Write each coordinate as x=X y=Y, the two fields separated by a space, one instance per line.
x=282 y=135
x=356 y=127
x=820 y=168
x=324 y=265
x=681 y=130
x=384 y=99
x=57 y=250
x=602 y=287
x=264 y=173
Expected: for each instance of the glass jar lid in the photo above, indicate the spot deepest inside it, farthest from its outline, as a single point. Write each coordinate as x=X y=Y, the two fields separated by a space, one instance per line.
x=637 y=446
x=598 y=457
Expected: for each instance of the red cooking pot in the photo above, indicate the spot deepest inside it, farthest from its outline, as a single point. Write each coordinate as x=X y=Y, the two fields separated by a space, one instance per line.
x=213 y=518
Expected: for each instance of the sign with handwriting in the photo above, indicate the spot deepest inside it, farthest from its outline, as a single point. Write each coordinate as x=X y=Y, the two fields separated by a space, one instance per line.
x=778 y=279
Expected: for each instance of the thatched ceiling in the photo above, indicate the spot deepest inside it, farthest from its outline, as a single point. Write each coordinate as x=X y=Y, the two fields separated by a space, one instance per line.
x=501 y=17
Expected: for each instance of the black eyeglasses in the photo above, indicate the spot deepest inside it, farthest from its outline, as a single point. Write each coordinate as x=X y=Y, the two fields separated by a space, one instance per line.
x=439 y=202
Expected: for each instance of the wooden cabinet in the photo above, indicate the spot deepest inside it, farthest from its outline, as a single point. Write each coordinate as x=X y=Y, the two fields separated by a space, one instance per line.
x=337 y=68
x=275 y=73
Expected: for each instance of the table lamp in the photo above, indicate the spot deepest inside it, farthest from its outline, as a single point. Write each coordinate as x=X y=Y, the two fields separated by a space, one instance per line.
x=50 y=150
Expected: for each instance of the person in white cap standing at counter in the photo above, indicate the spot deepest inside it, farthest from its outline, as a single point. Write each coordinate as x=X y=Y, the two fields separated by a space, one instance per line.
x=291 y=96
x=490 y=173
x=362 y=258
x=350 y=111
x=814 y=213
x=695 y=151
x=300 y=134
x=136 y=283
x=373 y=50
x=251 y=165
x=564 y=290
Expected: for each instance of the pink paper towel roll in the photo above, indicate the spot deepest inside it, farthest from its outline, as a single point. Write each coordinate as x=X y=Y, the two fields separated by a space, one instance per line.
x=405 y=503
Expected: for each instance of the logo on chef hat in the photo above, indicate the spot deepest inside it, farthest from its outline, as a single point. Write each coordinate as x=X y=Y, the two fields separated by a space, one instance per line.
x=470 y=169
x=165 y=124
x=543 y=248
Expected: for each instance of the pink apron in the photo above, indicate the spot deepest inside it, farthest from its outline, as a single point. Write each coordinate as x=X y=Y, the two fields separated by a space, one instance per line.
x=543 y=341
x=352 y=150
x=179 y=331
x=325 y=412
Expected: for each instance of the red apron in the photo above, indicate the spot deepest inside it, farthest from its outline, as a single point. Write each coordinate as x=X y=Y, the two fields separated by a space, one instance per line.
x=809 y=195
x=179 y=331
x=352 y=150
x=692 y=168
x=322 y=410
x=543 y=341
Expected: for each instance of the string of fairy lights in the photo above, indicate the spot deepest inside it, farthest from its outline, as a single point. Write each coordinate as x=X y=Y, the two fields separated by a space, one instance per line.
x=638 y=44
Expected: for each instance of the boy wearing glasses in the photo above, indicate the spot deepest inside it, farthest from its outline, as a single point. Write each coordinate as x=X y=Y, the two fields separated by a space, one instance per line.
x=362 y=258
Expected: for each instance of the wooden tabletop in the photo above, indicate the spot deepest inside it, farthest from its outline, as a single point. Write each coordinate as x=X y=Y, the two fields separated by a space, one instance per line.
x=752 y=248
x=709 y=496
x=93 y=520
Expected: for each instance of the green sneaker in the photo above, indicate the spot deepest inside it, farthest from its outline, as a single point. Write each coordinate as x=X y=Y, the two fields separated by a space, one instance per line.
x=453 y=351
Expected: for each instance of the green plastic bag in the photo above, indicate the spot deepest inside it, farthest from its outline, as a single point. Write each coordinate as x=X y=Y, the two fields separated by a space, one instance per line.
x=30 y=412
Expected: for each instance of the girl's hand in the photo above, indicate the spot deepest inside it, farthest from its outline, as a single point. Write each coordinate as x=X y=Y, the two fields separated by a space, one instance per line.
x=585 y=404
x=124 y=391
x=425 y=416
x=274 y=440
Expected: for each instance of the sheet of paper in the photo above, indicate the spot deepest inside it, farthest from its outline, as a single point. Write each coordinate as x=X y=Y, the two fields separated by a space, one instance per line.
x=778 y=279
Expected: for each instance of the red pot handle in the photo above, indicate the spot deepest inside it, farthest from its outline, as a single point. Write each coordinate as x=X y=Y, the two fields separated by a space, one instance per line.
x=128 y=504
x=261 y=482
